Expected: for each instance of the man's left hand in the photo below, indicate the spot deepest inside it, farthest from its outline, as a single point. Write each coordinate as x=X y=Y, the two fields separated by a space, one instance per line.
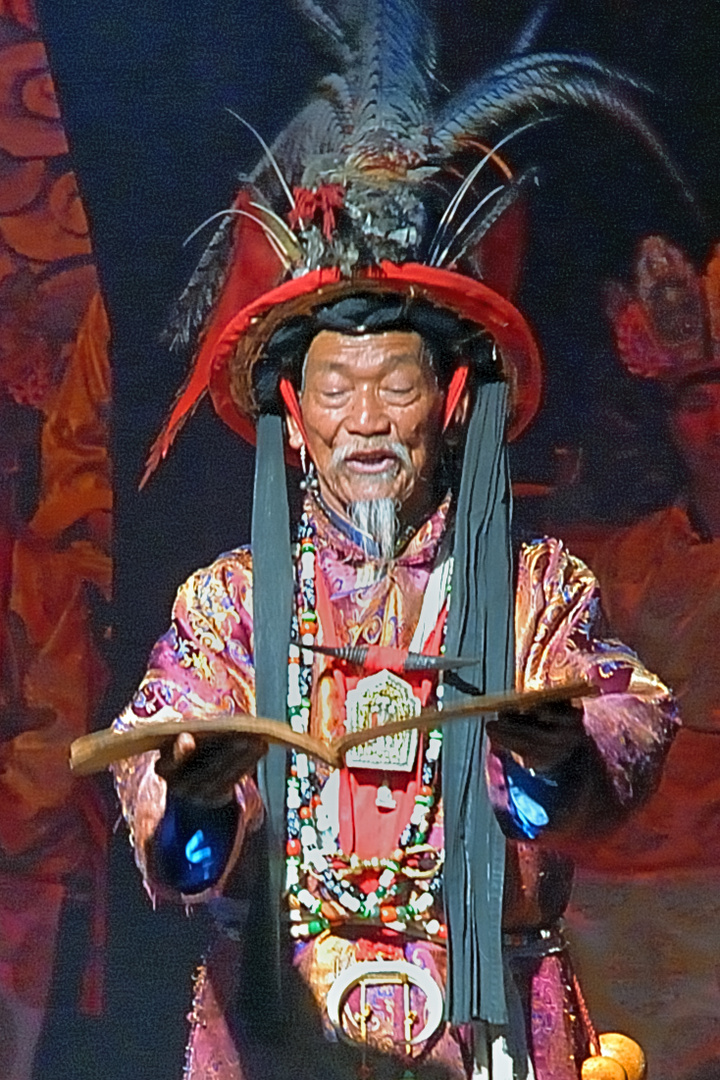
x=543 y=739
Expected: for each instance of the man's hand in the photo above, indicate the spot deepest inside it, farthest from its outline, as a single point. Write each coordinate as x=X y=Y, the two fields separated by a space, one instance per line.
x=205 y=768
x=543 y=739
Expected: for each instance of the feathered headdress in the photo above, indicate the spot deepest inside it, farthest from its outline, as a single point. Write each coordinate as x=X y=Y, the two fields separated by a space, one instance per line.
x=668 y=327
x=381 y=177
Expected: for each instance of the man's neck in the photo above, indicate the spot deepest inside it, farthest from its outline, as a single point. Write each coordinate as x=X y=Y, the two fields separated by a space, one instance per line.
x=345 y=525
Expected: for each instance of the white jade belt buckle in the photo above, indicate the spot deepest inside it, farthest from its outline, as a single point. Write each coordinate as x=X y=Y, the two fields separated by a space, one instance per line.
x=384 y=973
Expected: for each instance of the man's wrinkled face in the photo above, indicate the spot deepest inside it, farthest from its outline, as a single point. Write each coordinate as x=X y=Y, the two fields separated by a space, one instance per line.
x=695 y=423
x=371 y=407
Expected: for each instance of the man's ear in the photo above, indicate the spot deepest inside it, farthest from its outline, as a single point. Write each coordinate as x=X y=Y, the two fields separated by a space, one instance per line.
x=295 y=435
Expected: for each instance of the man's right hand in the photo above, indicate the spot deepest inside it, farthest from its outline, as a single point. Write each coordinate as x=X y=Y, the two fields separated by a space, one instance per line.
x=205 y=768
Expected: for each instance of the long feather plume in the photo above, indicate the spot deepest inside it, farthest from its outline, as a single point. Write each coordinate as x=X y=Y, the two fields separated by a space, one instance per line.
x=390 y=79
x=377 y=130
x=459 y=195
x=503 y=202
x=531 y=30
x=201 y=291
x=330 y=29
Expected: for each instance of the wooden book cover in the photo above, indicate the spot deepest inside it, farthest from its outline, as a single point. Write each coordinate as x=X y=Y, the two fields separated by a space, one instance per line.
x=94 y=752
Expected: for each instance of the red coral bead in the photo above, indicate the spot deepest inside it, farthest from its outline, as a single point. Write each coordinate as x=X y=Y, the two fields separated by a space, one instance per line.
x=442 y=931
x=426 y=790
x=388 y=914
x=305 y=812
x=308 y=626
x=293 y=847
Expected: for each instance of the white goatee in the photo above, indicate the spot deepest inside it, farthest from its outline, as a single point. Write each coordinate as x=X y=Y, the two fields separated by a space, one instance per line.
x=378 y=519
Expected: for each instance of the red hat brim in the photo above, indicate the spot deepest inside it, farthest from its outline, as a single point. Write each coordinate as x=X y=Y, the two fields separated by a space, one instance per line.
x=254 y=323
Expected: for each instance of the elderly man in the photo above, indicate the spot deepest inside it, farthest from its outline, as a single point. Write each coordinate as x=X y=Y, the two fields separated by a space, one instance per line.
x=398 y=915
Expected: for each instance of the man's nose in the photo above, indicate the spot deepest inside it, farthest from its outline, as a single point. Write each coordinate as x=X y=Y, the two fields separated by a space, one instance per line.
x=368 y=415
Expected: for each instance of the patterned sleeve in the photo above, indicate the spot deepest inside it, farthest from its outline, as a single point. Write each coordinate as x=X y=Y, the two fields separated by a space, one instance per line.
x=203 y=662
x=630 y=725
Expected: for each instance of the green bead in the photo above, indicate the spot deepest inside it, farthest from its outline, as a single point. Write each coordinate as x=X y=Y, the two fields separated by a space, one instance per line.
x=380 y=892
x=315 y=926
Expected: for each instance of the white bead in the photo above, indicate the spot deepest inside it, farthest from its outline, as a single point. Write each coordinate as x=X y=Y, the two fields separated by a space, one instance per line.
x=293 y=801
x=308 y=837
x=299 y=931
x=294 y=697
x=432 y=927
x=301 y=764
x=386 y=878
x=418 y=814
x=423 y=902
x=349 y=901
x=295 y=915
x=307 y=565
x=322 y=820
x=307 y=899
x=292 y=876
x=317 y=860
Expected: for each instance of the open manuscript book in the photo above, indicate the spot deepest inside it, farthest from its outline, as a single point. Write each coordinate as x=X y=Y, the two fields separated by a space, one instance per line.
x=94 y=752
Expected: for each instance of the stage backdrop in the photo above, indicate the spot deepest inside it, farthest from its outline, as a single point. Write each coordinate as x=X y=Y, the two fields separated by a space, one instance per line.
x=55 y=528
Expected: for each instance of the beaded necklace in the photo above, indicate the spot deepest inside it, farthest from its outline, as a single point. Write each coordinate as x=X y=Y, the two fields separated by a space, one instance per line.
x=409 y=882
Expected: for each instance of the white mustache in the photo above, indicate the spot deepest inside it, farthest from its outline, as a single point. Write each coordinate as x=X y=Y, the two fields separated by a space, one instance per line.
x=375 y=443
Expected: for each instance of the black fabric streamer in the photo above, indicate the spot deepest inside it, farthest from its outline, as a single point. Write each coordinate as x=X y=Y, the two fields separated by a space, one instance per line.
x=480 y=623
x=272 y=613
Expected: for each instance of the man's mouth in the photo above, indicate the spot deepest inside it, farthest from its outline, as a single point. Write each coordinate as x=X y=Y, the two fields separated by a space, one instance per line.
x=371 y=462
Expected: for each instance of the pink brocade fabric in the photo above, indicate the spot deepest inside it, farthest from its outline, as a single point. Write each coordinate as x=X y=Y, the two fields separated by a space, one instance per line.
x=205 y=659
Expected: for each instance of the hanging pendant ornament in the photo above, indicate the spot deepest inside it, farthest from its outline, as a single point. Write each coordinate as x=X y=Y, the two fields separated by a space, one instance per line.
x=381 y=699
x=384 y=799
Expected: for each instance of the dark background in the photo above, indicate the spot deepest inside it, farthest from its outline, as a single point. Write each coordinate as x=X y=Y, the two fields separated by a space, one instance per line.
x=144 y=89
